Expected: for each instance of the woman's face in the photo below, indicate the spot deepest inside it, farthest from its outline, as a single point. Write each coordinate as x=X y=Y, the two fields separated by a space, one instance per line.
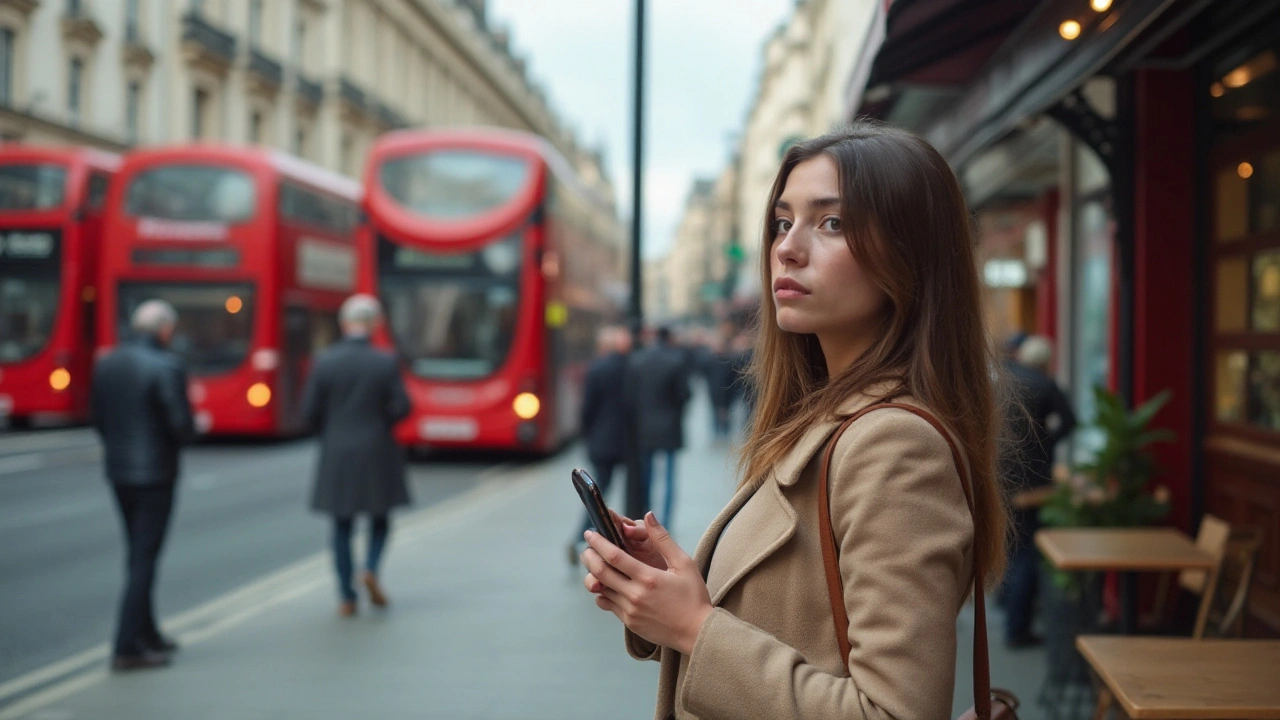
x=817 y=285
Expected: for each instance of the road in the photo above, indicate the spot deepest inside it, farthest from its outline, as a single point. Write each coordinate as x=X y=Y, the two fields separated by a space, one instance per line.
x=241 y=514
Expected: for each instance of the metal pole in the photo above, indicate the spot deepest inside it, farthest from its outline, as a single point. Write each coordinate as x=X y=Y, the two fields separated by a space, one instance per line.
x=637 y=488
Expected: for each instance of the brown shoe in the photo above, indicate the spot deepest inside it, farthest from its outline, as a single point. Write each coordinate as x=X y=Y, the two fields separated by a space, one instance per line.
x=347 y=609
x=376 y=596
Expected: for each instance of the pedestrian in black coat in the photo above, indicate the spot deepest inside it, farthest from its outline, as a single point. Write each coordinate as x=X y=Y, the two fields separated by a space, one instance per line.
x=354 y=398
x=140 y=410
x=658 y=391
x=1043 y=419
x=605 y=419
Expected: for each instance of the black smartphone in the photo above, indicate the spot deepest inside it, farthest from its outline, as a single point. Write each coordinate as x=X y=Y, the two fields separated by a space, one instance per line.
x=599 y=513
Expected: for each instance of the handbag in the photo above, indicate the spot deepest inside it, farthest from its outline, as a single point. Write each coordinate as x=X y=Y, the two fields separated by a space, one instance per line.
x=989 y=703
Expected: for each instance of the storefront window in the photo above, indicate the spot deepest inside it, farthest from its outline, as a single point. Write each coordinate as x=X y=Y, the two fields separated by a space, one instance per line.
x=1243 y=92
x=1233 y=295
x=1266 y=292
x=1229 y=396
x=1092 y=352
x=1264 y=390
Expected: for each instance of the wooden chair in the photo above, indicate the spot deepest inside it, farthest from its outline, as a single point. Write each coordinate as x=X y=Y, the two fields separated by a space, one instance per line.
x=1214 y=537
x=1226 y=616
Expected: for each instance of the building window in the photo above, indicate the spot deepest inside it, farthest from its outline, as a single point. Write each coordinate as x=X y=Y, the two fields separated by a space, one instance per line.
x=132 y=21
x=300 y=142
x=300 y=41
x=6 y=65
x=197 y=6
x=75 y=78
x=349 y=155
x=132 y=103
x=75 y=7
x=255 y=127
x=199 y=111
x=255 y=23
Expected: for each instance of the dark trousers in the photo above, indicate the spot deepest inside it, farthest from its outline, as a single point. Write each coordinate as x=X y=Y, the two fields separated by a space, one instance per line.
x=669 y=478
x=1023 y=577
x=144 y=514
x=603 y=475
x=379 y=528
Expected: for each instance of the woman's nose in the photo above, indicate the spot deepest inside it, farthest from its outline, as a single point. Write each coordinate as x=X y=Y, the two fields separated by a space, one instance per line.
x=791 y=250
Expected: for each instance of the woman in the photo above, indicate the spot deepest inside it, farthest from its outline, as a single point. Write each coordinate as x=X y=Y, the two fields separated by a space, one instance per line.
x=875 y=296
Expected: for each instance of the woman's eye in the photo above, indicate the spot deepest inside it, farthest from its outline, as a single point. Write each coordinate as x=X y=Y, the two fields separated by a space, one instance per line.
x=781 y=226
x=832 y=224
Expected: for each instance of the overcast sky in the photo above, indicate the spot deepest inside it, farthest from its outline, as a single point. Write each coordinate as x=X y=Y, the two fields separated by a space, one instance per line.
x=702 y=64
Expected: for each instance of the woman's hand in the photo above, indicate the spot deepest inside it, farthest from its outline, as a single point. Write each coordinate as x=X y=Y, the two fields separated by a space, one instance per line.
x=637 y=537
x=665 y=606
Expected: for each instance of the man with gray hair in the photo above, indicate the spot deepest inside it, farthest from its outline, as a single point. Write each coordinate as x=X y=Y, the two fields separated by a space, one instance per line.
x=139 y=408
x=354 y=398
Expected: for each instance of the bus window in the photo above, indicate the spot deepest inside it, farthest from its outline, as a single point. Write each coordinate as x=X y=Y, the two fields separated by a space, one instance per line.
x=215 y=321
x=453 y=184
x=30 y=271
x=32 y=187
x=192 y=192
x=311 y=208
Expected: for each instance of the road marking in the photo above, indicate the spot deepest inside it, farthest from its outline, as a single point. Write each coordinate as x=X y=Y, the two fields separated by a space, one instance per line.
x=21 y=463
x=502 y=482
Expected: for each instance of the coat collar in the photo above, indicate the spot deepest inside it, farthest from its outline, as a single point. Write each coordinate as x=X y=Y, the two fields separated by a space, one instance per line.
x=777 y=521
x=787 y=472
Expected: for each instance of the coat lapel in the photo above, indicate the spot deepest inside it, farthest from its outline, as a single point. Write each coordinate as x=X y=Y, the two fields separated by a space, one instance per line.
x=775 y=523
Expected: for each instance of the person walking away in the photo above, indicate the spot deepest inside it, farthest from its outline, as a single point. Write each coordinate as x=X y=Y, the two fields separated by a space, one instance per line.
x=354 y=398
x=657 y=391
x=722 y=384
x=1045 y=419
x=830 y=584
x=605 y=418
x=139 y=407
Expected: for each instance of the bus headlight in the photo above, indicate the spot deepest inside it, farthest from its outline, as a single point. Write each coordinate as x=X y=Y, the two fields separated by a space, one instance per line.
x=60 y=379
x=526 y=406
x=259 y=395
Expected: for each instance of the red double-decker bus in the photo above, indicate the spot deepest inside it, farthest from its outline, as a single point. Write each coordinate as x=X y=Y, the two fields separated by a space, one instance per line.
x=256 y=250
x=492 y=260
x=51 y=207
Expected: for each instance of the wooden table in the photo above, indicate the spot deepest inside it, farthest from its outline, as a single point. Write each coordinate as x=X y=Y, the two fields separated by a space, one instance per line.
x=1125 y=550
x=1184 y=679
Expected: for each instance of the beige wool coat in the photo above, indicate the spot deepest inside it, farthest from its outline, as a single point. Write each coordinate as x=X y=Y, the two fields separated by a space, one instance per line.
x=905 y=538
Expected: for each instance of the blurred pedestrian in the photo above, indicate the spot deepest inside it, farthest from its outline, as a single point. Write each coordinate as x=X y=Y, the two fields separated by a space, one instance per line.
x=605 y=419
x=868 y=256
x=140 y=409
x=354 y=398
x=1042 y=420
x=657 y=392
x=722 y=385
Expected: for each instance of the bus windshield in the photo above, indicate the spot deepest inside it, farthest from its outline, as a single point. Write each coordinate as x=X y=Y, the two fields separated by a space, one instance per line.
x=32 y=187
x=200 y=193
x=453 y=316
x=453 y=185
x=215 y=321
x=30 y=269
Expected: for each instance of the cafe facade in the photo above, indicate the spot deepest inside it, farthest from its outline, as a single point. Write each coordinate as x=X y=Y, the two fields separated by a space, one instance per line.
x=1122 y=160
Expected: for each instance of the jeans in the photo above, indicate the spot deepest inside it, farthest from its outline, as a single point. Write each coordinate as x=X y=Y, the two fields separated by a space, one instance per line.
x=144 y=514
x=646 y=473
x=379 y=528
x=1022 y=578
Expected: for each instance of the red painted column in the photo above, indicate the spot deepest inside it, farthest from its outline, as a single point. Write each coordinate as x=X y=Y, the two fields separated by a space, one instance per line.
x=1164 y=282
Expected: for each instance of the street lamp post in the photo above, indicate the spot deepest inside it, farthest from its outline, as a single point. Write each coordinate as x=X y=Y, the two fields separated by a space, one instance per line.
x=637 y=499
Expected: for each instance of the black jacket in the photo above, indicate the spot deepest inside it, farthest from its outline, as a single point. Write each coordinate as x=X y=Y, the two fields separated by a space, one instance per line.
x=657 y=390
x=140 y=409
x=354 y=398
x=1032 y=441
x=605 y=417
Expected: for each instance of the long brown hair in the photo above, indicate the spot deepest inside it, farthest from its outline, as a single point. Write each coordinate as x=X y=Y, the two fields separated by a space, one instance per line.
x=907 y=225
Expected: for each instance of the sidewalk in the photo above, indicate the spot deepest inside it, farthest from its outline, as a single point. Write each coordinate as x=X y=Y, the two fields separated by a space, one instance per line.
x=488 y=621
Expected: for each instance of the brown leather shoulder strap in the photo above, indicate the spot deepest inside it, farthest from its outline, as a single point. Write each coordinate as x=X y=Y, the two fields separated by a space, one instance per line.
x=831 y=561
